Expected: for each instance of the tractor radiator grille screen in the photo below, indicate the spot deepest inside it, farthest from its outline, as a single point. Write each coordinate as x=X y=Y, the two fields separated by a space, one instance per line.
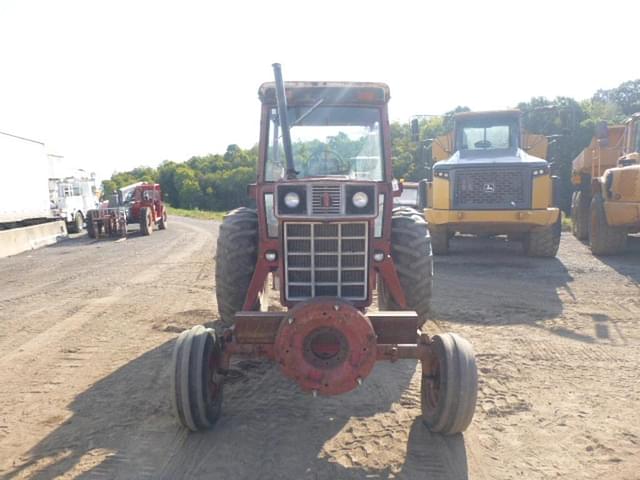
x=326 y=259
x=491 y=188
x=326 y=199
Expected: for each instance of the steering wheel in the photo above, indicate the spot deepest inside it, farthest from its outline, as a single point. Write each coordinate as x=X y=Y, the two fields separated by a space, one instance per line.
x=319 y=162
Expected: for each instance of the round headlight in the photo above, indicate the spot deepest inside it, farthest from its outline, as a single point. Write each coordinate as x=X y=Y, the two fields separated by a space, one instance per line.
x=292 y=199
x=360 y=199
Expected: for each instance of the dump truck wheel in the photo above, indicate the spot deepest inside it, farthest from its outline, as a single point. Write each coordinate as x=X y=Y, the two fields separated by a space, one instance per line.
x=580 y=215
x=439 y=240
x=162 y=224
x=76 y=225
x=146 y=222
x=544 y=241
x=91 y=226
x=197 y=384
x=413 y=259
x=236 y=258
x=450 y=390
x=604 y=239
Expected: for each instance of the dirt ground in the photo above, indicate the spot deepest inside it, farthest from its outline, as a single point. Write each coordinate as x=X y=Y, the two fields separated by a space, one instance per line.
x=87 y=330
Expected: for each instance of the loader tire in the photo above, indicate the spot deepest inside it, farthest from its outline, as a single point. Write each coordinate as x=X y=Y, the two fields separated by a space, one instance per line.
x=440 y=240
x=413 y=259
x=544 y=241
x=92 y=230
x=236 y=258
x=146 y=222
x=604 y=239
x=450 y=390
x=580 y=205
x=197 y=383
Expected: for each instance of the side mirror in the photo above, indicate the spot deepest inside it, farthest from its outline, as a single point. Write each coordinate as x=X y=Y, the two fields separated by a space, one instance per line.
x=415 y=130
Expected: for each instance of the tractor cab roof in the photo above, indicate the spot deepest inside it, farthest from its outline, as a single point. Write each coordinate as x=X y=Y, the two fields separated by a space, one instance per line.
x=332 y=93
x=487 y=114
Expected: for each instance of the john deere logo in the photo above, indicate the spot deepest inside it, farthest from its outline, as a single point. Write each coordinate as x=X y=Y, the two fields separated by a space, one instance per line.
x=489 y=188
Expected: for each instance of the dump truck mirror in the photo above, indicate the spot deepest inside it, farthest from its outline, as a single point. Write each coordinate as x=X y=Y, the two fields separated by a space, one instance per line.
x=415 y=130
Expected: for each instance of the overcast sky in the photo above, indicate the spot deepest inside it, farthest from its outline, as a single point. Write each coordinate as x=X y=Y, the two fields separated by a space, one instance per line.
x=116 y=84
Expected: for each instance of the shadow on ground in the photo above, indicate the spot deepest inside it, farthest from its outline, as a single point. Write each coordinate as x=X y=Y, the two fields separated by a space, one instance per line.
x=122 y=427
x=489 y=281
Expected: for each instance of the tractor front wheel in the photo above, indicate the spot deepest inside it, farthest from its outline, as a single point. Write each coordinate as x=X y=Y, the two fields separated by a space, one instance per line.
x=197 y=383
x=92 y=229
x=413 y=259
x=450 y=389
x=146 y=221
x=162 y=224
x=236 y=258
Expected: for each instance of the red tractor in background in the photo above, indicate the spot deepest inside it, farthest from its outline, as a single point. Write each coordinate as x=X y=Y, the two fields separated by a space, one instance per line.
x=326 y=227
x=139 y=203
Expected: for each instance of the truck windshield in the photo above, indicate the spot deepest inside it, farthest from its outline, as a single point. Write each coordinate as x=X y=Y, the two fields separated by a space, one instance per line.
x=486 y=137
x=328 y=141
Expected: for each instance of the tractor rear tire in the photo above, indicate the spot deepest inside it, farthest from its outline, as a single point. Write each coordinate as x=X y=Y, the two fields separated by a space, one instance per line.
x=236 y=258
x=413 y=259
x=543 y=241
x=146 y=222
x=91 y=226
x=196 y=387
x=162 y=223
x=76 y=225
x=604 y=239
x=439 y=240
x=580 y=215
x=450 y=391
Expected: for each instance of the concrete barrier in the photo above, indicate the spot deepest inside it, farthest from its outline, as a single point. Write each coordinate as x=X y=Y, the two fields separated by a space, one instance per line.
x=18 y=240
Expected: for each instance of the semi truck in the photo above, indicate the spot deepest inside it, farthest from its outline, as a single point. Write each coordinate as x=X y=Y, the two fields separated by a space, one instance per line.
x=72 y=197
x=605 y=205
x=490 y=177
x=24 y=194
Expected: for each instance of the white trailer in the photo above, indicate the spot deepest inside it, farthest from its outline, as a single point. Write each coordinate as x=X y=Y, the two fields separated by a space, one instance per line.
x=24 y=193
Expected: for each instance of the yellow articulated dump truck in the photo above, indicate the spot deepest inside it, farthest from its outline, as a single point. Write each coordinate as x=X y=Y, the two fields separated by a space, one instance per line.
x=490 y=178
x=605 y=206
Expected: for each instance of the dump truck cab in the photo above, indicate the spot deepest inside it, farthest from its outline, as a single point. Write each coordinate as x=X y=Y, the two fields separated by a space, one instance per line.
x=607 y=209
x=490 y=177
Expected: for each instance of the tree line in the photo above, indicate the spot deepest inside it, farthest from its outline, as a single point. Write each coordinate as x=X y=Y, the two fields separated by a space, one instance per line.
x=218 y=182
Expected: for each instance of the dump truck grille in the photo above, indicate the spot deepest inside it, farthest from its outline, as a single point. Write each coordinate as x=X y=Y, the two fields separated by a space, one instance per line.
x=491 y=188
x=326 y=199
x=326 y=259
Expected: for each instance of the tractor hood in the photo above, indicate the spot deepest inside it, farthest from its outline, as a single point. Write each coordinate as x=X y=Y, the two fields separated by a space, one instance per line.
x=500 y=157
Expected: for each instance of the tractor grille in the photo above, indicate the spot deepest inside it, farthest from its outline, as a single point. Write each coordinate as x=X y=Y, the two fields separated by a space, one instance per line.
x=491 y=188
x=326 y=199
x=326 y=259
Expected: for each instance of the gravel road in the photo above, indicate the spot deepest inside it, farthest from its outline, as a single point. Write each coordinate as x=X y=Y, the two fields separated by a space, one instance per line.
x=87 y=330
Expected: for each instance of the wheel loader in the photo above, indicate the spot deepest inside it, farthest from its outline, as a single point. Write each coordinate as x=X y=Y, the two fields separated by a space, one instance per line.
x=605 y=206
x=325 y=226
x=490 y=178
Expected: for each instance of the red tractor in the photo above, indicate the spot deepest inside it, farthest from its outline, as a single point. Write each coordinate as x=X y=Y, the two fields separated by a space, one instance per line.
x=326 y=228
x=138 y=203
